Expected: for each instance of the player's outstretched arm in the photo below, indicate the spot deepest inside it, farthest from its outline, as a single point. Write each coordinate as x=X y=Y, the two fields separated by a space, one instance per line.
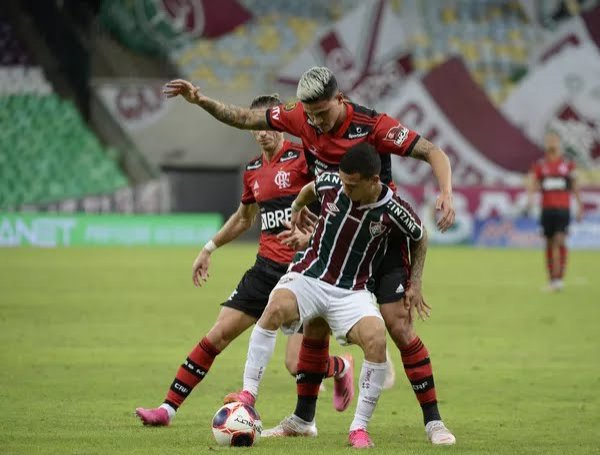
x=414 y=294
x=440 y=164
x=236 y=116
x=301 y=216
x=237 y=223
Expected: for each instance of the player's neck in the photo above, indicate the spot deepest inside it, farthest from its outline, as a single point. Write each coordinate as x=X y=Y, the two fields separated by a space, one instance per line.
x=340 y=120
x=269 y=154
x=373 y=196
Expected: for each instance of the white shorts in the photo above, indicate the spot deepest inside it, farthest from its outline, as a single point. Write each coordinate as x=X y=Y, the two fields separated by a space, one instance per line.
x=341 y=308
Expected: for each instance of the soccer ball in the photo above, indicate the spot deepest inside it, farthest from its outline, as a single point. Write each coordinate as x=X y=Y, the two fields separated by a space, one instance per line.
x=237 y=424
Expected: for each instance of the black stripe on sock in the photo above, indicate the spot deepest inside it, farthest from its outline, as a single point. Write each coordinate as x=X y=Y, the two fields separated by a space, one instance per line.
x=309 y=378
x=194 y=368
x=409 y=366
x=423 y=384
x=181 y=388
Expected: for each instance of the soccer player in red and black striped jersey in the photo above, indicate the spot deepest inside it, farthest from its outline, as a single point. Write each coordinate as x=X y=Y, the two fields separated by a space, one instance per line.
x=328 y=125
x=555 y=177
x=272 y=181
x=326 y=288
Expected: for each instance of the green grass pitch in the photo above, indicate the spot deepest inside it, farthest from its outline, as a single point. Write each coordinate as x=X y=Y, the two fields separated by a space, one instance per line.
x=86 y=335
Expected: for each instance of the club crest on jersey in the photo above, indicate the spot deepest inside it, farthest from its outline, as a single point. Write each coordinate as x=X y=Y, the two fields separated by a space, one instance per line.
x=282 y=180
x=290 y=106
x=255 y=187
x=397 y=135
x=376 y=228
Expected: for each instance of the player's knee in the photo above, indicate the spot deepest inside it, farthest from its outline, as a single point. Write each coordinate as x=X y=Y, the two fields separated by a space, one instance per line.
x=220 y=337
x=275 y=315
x=374 y=346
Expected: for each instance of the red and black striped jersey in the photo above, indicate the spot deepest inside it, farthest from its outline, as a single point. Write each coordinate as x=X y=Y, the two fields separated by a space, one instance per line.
x=350 y=241
x=273 y=185
x=556 y=179
x=386 y=134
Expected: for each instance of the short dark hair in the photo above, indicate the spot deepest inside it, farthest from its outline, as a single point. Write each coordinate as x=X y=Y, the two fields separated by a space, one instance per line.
x=265 y=101
x=317 y=84
x=361 y=158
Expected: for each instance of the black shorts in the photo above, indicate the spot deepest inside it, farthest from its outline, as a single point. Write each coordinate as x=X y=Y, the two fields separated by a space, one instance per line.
x=392 y=278
x=555 y=220
x=252 y=293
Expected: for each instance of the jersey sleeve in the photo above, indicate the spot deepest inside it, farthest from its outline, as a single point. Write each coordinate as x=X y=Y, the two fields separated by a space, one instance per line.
x=247 y=193
x=288 y=118
x=390 y=136
x=405 y=219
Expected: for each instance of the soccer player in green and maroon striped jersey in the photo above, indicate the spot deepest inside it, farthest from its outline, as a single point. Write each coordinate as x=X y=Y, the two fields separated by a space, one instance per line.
x=326 y=289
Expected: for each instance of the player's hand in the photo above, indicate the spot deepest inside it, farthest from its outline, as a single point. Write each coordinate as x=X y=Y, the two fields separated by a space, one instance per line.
x=200 y=268
x=182 y=87
x=445 y=205
x=304 y=220
x=413 y=300
x=295 y=240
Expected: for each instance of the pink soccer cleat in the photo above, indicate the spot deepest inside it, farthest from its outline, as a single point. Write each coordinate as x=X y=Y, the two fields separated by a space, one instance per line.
x=243 y=397
x=360 y=439
x=157 y=417
x=343 y=388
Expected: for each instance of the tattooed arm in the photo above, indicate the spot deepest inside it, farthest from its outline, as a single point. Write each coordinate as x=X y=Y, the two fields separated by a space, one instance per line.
x=440 y=164
x=236 y=116
x=414 y=294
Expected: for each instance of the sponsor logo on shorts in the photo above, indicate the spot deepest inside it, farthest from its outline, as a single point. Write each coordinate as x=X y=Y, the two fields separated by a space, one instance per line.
x=285 y=279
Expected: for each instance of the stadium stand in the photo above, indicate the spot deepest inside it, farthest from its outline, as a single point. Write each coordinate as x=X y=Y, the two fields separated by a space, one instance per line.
x=491 y=36
x=47 y=152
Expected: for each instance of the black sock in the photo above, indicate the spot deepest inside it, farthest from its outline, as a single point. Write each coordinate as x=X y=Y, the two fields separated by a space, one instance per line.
x=306 y=408
x=430 y=412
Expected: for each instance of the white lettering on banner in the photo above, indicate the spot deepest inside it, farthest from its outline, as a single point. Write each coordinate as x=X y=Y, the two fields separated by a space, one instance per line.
x=499 y=203
x=275 y=218
x=43 y=232
x=120 y=235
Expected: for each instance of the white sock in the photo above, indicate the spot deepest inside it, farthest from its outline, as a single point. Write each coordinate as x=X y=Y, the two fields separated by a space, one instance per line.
x=370 y=384
x=170 y=410
x=345 y=370
x=260 y=350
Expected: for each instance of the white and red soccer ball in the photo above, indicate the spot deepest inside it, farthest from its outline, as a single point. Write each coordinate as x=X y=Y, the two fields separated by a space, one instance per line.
x=237 y=424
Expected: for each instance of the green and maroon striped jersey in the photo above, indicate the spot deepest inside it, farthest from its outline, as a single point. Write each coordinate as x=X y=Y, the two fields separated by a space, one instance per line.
x=350 y=240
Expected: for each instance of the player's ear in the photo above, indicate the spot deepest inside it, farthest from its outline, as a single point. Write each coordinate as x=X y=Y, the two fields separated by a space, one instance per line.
x=340 y=97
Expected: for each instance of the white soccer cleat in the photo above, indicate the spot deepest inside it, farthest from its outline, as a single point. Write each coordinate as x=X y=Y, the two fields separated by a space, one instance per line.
x=292 y=426
x=438 y=434
x=390 y=373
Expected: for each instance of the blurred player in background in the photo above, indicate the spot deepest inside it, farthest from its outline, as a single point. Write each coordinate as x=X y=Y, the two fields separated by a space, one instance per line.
x=326 y=289
x=272 y=180
x=555 y=177
x=329 y=125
